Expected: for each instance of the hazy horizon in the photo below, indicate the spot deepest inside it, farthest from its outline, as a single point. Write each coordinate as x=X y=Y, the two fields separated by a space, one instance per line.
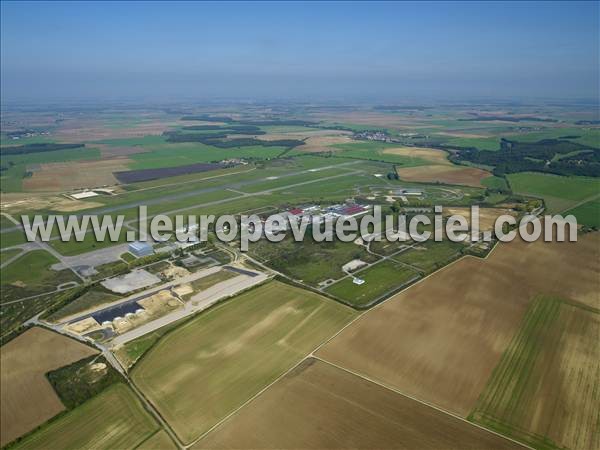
x=316 y=51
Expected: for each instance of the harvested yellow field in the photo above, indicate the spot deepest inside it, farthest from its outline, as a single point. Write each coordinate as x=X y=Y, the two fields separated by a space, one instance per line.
x=448 y=174
x=27 y=201
x=319 y=406
x=28 y=399
x=440 y=339
x=316 y=144
x=428 y=154
x=75 y=175
x=487 y=216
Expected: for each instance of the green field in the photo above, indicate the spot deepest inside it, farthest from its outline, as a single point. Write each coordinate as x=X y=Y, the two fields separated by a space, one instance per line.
x=209 y=366
x=31 y=274
x=431 y=255
x=495 y=183
x=11 y=238
x=381 y=279
x=129 y=353
x=486 y=143
x=588 y=213
x=560 y=193
x=180 y=154
x=113 y=419
x=7 y=254
x=88 y=244
x=12 y=178
x=309 y=261
x=545 y=390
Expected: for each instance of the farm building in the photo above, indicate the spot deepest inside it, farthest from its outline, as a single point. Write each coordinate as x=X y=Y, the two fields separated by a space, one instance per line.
x=140 y=249
x=82 y=195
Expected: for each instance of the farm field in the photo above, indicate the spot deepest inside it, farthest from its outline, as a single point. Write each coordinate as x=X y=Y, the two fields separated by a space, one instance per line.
x=467 y=176
x=380 y=151
x=546 y=391
x=31 y=274
x=560 y=193
x=129 y=353
x=317 y=406
x=229 y=353
x=28 y=399
x=379 y=280
x=434 y=156
x=113 y=419
x=466 y=313
x=487 y=216
x=587 y=213
x=181 y=154
x=13 y=178
x=158 y=441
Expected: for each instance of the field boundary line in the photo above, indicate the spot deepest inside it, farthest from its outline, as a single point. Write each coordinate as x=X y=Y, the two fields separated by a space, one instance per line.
x=184 y=182
x=220 y=422
x=390 y=388
x=309 y=355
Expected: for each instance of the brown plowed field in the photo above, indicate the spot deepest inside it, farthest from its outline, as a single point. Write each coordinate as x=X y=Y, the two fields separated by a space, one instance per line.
x=466 y=176
x=75 y=175
x=319 y=406
x=440 y=340
x=28 y=399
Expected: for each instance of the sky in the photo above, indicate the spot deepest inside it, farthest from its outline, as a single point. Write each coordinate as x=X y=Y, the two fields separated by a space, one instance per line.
x=297 y=50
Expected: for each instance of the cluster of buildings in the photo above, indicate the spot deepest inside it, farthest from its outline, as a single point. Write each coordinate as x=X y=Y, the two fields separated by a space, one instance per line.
x=345 y=210
x=372 y=136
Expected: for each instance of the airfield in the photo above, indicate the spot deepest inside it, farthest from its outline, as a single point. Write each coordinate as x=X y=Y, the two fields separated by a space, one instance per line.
x=296 y=344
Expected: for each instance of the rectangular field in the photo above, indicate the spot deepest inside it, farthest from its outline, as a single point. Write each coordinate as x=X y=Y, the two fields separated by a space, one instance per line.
x=28 y=399
x=113 y=419
x=440 y=340
x=546 y=390
x=136 y=176
x=559 y=193
x=202 y=371
x=319 y=406
x=379 y=279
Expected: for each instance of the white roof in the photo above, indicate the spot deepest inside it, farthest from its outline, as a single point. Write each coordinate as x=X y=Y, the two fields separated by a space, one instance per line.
x=85 y=194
